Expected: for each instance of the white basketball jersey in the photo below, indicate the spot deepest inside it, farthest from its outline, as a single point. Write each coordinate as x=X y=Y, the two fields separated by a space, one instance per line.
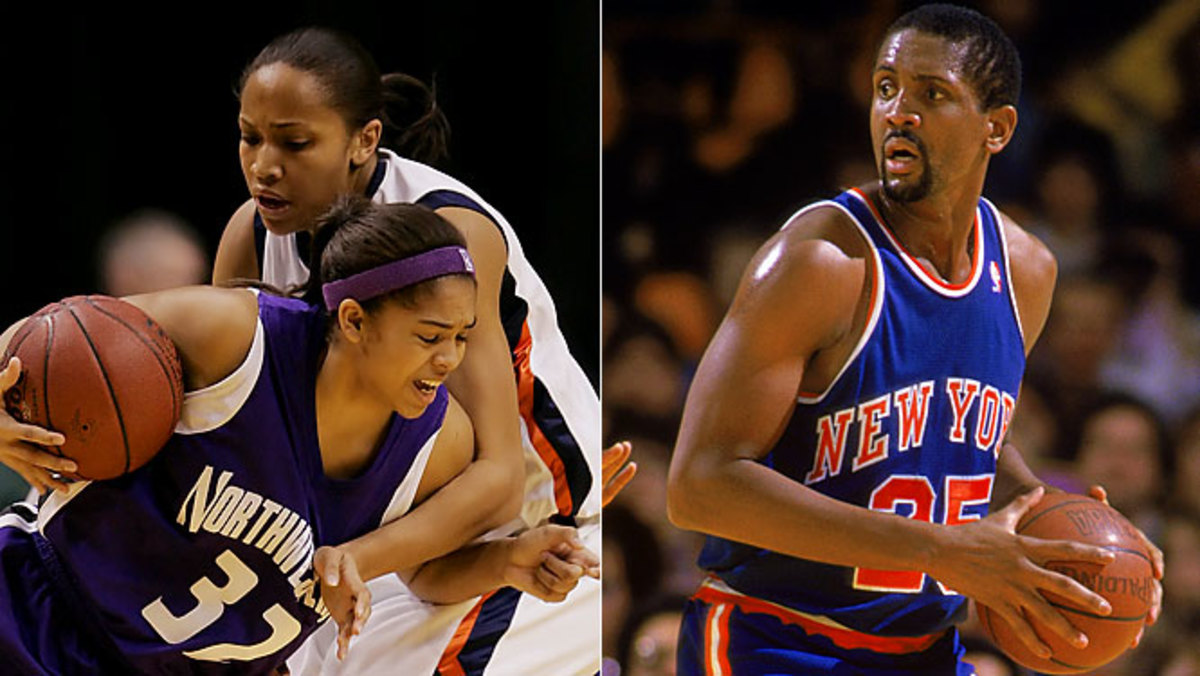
x=560 y=430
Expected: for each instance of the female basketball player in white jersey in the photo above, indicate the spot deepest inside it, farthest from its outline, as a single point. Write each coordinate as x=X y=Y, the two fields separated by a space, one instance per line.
x=314 y=116
x=318 y=418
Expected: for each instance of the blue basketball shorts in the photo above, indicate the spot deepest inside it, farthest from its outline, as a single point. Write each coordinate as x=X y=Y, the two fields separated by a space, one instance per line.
x=725 y=633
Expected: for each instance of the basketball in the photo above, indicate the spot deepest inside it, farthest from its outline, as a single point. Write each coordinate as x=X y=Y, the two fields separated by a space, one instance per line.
x=102 y=373
x=1127 y=583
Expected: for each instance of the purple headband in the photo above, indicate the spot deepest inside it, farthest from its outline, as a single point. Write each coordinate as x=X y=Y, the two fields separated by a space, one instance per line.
x=448 y=260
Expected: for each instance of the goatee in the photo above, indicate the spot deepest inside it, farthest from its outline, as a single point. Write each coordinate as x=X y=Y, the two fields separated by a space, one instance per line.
x=898 y=190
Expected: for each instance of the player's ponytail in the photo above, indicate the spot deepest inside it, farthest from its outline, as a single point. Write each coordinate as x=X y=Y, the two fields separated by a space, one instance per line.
x=413 y=124
x=355 y=235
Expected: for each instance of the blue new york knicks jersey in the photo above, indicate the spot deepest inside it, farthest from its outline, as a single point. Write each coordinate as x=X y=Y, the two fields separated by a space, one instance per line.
x=912 y=425
x=201 y=561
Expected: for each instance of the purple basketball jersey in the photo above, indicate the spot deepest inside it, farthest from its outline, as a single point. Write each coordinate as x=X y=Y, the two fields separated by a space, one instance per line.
x=201 y=561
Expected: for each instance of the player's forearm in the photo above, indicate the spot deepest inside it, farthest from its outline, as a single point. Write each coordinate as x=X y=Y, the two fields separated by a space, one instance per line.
x=746 y=501
x=1013 y=477
x=484 y=385
x=457 y=513
x=464 y=574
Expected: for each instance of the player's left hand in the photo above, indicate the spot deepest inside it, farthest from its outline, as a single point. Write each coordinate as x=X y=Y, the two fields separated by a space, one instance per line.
x=344 y=593
x=548 y=562
x=613 y=480
x=1157 y=563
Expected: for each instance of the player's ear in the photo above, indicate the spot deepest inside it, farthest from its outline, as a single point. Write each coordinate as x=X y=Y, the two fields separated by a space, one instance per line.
x=350 y=316
x=364 y=142
x=1001 y=123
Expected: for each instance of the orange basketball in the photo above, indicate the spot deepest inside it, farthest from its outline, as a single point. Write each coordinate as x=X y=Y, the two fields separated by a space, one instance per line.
x=1127 y=583
x=104 y=374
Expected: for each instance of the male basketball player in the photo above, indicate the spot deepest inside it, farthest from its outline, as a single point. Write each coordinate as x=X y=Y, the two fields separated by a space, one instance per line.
x=856 y=397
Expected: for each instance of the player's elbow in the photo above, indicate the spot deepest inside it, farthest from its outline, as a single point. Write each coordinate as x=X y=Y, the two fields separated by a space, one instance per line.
x=686 y=488
x=509 y=491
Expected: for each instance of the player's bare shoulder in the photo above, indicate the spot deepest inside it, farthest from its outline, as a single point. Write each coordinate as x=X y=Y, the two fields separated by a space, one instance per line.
x=811 y=273
x=236 y=254
x=1034 y=271
x=819 y=242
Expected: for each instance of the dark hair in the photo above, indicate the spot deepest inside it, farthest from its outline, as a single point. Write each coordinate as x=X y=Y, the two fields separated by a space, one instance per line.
x=990 y=59
x=355 y=235
x=413 y=124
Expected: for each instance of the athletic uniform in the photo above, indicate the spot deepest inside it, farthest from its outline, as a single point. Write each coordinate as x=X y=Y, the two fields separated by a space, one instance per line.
x=200 y=562
x=505 y=632
x=911 y=425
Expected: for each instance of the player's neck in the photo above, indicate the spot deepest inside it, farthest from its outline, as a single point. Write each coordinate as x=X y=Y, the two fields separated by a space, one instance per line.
x=350 y=423
x=936 y=230
x=362 y=176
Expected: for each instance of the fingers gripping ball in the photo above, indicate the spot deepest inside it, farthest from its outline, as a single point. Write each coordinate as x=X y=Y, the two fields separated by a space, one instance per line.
x=1127 y=583
x=104 y=374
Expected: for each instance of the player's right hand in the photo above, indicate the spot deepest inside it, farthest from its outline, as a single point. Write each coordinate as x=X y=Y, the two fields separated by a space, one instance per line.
x=345 y=594
x=987 y=561
x=19 y=443
x=548 y=562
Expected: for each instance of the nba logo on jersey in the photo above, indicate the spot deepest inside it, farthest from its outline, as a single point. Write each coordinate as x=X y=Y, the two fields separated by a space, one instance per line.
x=995 y=269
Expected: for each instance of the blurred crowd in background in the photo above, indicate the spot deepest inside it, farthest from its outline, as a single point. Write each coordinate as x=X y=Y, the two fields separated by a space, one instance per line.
x=146 y=250
x=721 y=118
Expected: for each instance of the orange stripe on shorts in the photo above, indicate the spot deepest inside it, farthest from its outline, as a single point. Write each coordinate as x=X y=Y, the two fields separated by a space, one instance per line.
x=449 y=665
x=842 y=637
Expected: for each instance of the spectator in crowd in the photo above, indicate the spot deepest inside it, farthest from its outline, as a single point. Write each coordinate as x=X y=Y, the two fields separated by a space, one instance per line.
x=151 y=250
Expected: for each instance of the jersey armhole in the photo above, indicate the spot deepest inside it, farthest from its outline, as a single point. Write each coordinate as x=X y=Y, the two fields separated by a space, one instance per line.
x=437 y=199
x=1002 y=236
x=878 y=288
x=402 y=499
x=210 y=407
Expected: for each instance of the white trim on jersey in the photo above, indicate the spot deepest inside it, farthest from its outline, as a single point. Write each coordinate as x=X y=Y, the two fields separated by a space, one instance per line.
x=550 y=358
x=877 y=297
x=56 y=501
x=936 y=284
x=210 y=407
x=402 y=499
x=1012 y=292
x=13 y=519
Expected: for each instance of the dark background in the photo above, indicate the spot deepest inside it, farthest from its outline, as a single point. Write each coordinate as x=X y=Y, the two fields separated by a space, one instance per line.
x=104 y=112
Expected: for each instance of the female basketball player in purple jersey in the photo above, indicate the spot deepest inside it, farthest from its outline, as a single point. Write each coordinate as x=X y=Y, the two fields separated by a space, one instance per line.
x=315 y=115
x=307 y=423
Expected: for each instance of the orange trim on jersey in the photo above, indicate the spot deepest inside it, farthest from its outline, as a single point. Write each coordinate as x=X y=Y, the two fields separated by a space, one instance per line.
x=842 y=637
x=545 y=450
x=976 y=261
x=709 y=638
x=449 y=665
